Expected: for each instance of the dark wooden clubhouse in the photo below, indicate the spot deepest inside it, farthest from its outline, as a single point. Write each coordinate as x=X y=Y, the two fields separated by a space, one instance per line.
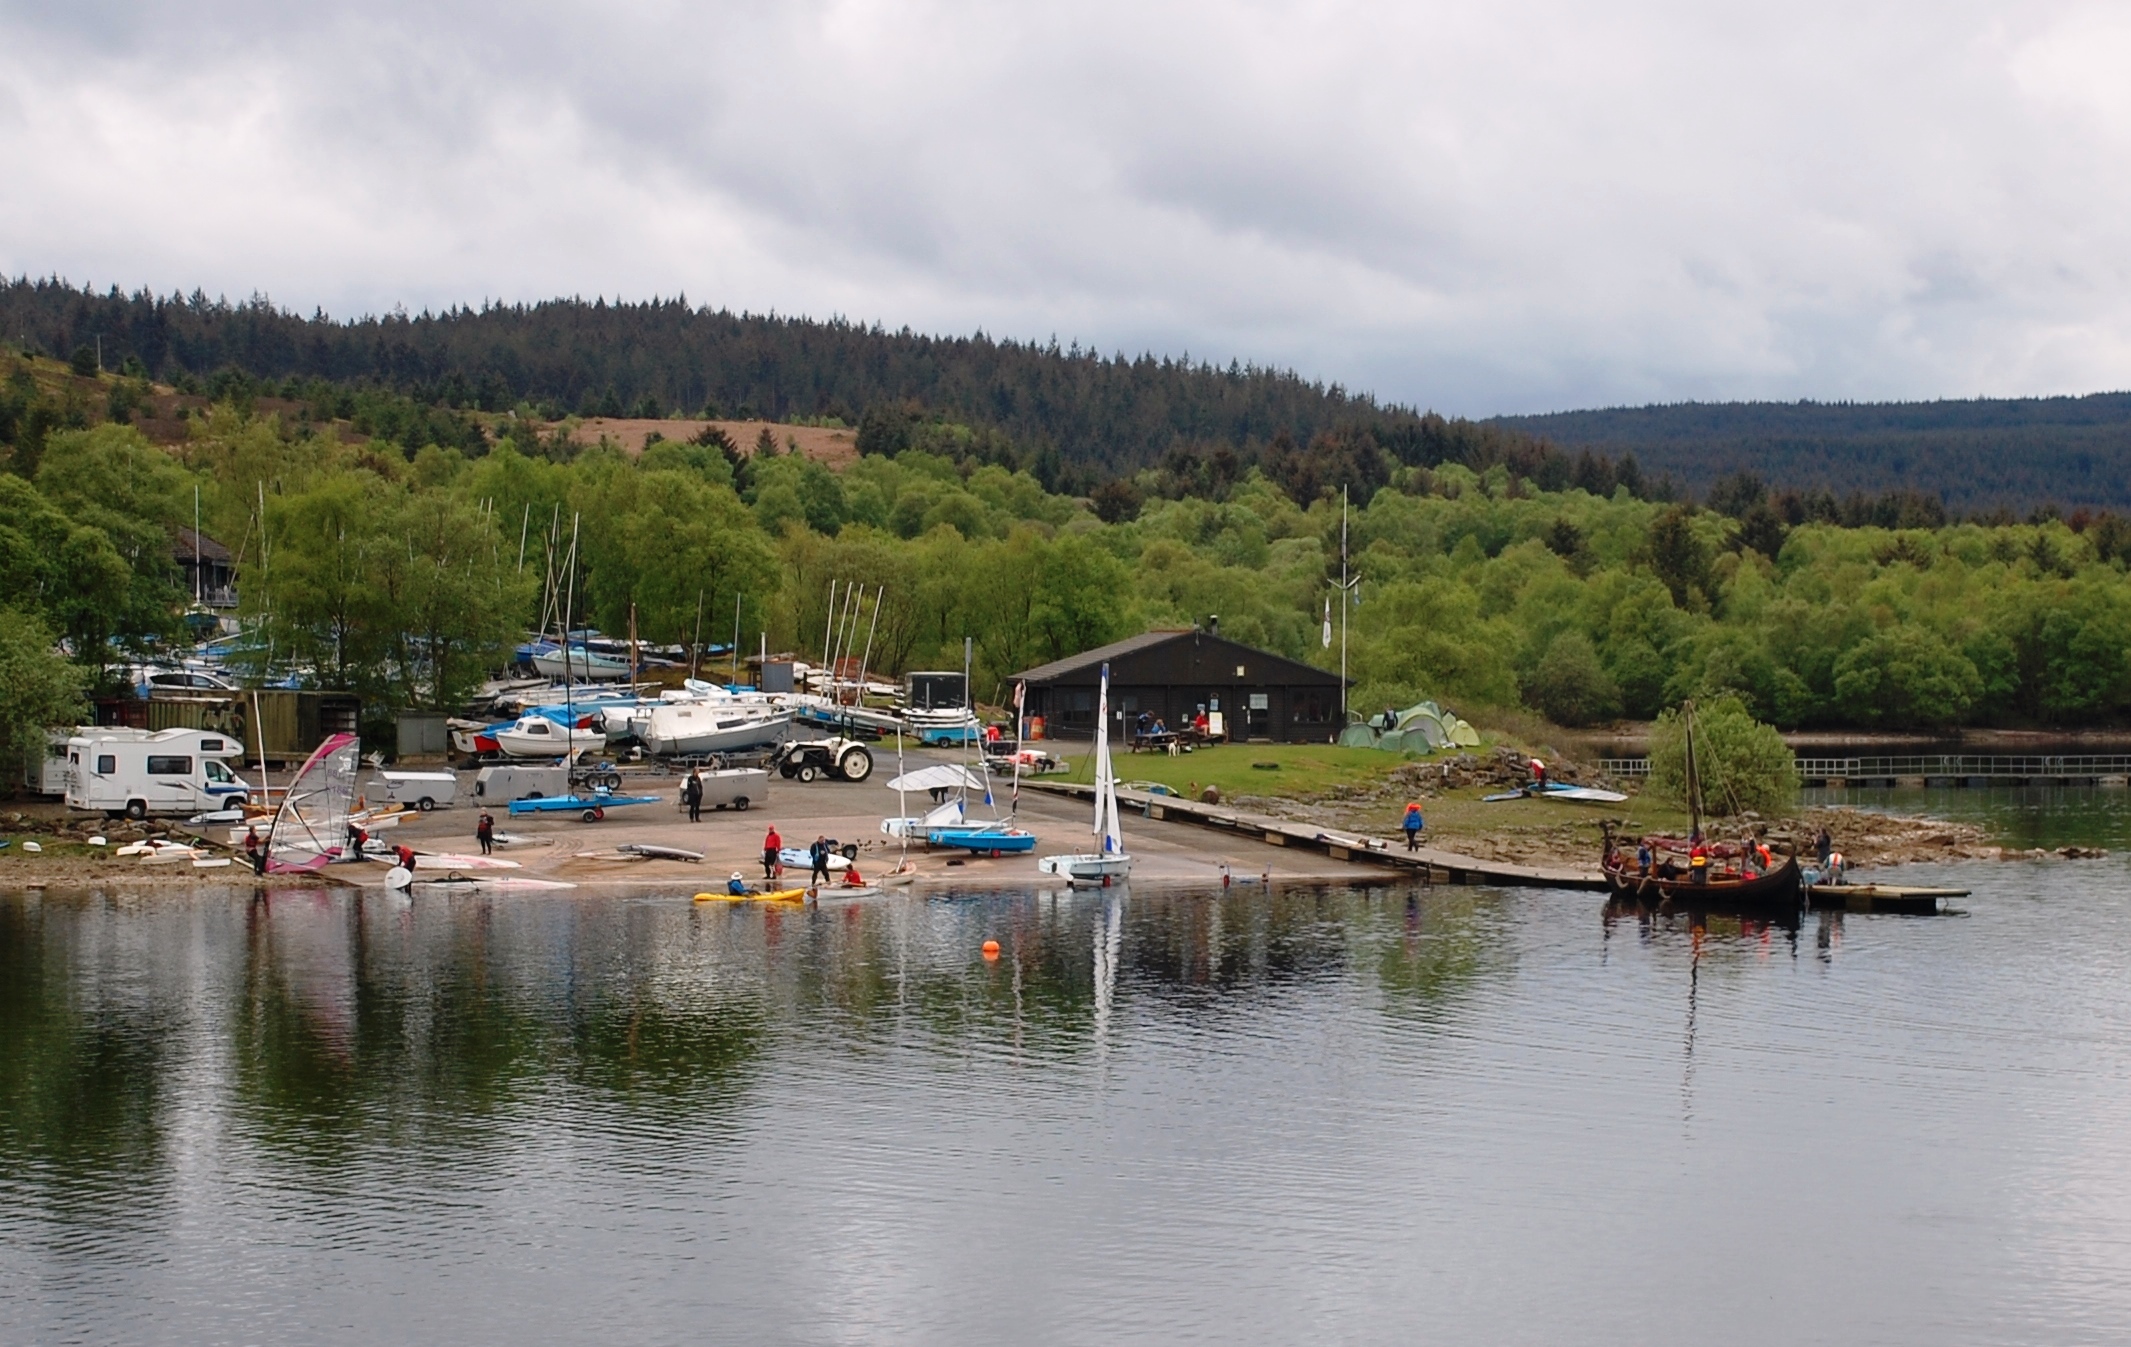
x=1171 y=675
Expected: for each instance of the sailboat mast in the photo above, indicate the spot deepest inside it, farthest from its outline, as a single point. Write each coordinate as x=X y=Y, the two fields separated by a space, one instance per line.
x=1103 y=804
x=1694 y=776
x=569 y=599
x=695 y=649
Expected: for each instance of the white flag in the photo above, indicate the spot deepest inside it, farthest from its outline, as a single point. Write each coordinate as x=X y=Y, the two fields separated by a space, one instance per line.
x=1328 y=622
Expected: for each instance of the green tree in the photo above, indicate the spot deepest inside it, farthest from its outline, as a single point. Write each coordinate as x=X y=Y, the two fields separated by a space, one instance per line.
x=320 y=584
x=43 y=688
x=1743 y=764
x=1571 y=686
x=1906 y=676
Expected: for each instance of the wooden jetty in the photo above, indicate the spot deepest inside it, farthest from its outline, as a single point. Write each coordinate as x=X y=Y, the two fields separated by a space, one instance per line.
x=1428 y=864
x=1895 y=898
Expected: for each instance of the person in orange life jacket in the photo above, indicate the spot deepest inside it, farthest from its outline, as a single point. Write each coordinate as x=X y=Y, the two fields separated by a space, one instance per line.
x=1413 y=823
x=1697 y=859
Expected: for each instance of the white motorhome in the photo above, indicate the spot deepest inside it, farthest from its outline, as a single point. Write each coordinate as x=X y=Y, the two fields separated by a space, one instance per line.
x=143 y=772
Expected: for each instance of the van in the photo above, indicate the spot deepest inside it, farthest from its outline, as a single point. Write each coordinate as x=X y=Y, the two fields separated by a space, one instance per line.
x=142 y=772
x=510 y=781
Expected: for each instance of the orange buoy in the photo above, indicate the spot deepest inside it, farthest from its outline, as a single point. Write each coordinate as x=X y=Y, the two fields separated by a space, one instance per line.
x=991 y=949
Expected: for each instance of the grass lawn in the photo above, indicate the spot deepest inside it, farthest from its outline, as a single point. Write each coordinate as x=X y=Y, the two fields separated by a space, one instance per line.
x=1304 y=769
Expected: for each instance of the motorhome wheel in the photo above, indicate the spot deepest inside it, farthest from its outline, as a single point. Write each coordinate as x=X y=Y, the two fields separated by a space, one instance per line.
x=741 y=803
x=136 y=809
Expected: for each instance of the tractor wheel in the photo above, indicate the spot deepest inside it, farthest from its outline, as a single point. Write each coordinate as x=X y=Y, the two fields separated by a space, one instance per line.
x=807 y=772
x=857 y=764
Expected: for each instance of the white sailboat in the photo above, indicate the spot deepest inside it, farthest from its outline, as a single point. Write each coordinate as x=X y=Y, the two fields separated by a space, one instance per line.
x=1110 y=863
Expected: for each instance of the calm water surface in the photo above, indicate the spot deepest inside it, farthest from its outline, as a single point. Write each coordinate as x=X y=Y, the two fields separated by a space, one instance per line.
x=1395 y=1116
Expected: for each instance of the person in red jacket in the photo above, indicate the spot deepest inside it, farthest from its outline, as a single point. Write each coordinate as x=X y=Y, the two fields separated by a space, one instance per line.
x=771 y=845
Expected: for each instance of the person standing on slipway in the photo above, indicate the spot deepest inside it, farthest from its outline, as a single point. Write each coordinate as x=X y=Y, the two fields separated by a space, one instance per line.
x=771 y=845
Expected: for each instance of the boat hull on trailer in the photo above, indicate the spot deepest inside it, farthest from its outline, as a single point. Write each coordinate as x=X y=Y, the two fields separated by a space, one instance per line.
x=674 y=731
x=983 y=841
x=1780 y=890
x=582 y=663
x=1091 y=867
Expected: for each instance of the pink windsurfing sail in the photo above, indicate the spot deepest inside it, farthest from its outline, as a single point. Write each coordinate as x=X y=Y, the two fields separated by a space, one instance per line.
x=311 y=828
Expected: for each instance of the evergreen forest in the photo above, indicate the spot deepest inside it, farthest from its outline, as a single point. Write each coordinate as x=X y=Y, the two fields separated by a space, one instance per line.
x=1077 y=418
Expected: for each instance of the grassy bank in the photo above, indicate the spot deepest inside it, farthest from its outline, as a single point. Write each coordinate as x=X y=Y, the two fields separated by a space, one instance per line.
x=1290 y=770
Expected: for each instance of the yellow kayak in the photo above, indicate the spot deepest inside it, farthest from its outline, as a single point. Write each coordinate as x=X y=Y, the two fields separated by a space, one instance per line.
x=779 y=896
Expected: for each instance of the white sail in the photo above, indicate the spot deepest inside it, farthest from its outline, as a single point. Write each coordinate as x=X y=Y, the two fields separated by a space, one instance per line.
x=1110 y=862
x=1106 y=821
x=311 y=827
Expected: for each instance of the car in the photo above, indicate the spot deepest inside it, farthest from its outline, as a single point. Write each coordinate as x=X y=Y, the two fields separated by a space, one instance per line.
x=811 y=759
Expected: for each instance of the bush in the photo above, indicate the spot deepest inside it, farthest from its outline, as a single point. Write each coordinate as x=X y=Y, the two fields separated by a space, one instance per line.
x=1744 y=764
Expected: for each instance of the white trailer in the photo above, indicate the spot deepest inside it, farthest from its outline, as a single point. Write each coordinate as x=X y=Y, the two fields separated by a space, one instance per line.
x=506 y=782
x=141 y=772
x=44 y=772
x=424 y=790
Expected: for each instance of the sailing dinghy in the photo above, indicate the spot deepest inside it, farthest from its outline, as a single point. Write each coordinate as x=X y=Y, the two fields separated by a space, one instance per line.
x=1110 y=863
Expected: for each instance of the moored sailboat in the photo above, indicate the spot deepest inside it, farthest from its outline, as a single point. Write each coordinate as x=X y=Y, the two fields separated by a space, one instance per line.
x=1109 y=863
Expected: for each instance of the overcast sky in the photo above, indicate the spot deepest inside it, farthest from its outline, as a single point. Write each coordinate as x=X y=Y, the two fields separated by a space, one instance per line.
x=1508 y=205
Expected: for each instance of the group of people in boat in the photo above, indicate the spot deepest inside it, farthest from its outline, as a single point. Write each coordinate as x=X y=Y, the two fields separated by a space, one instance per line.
x=1700 y=861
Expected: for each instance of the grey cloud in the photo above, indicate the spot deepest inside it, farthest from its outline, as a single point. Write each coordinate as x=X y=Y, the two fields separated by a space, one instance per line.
x=1479 y=207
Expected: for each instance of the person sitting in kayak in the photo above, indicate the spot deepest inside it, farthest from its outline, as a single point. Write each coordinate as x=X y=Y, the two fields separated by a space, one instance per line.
x=851 y=879
x=737 y=885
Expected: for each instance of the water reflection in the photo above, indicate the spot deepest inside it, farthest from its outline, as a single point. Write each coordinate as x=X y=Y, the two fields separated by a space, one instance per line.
x=1270 y=1116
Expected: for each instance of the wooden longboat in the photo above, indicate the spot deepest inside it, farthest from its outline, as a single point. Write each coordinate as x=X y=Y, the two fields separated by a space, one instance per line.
x=1780 y=890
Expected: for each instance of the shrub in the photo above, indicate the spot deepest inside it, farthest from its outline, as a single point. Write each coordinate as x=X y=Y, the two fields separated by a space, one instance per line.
x=1743 y=764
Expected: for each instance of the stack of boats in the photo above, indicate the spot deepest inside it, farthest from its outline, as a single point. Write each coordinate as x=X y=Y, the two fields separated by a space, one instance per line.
x=544 y=720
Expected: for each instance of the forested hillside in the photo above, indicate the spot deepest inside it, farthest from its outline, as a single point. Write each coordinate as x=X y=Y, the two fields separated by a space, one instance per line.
x=1072 y=417
x=407 y=574
x=1977 y=456
x=1090 y=412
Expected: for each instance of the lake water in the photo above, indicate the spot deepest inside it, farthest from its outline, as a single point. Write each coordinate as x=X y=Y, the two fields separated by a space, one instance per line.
x=1382 y=1116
